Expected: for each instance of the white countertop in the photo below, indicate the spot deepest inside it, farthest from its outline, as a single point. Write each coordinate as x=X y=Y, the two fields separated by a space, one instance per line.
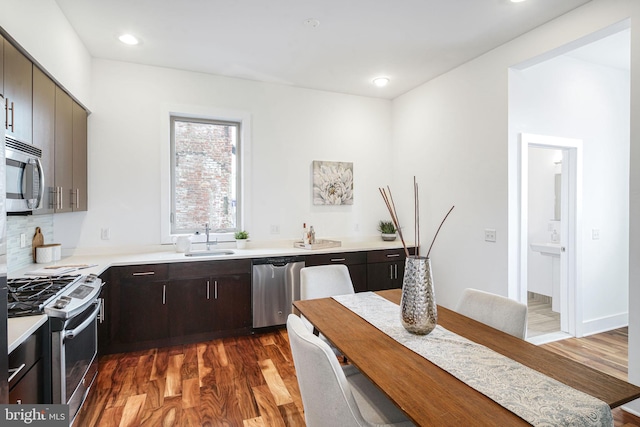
x=19 y=328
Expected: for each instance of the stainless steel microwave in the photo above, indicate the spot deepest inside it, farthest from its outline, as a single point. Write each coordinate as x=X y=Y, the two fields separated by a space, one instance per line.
x=25 y=177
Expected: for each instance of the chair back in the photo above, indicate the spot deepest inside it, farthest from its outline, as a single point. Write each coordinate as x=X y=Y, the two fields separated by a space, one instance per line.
x=494 y=310
x=325 y=281
x=326 y=394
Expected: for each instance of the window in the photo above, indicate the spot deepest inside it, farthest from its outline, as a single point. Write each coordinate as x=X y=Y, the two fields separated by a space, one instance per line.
x=205 y=183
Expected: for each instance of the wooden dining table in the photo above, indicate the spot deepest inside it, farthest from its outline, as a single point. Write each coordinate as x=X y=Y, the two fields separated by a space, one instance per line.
x=427 y=394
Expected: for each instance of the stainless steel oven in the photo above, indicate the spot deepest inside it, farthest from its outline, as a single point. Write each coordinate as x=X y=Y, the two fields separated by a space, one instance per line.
x=25 y=184
x=74 y=342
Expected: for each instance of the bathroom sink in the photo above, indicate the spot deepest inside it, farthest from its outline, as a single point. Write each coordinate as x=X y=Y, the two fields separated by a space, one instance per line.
x=547 y=248
x=215 y=252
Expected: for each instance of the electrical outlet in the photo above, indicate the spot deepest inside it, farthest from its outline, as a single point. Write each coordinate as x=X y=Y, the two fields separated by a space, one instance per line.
x=275 y=229
x=489 y=235
x=105 y=233
x=595 y=234
x=23 y=240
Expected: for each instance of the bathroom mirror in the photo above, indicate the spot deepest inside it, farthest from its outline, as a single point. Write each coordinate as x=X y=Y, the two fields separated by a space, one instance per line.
x=558 y=201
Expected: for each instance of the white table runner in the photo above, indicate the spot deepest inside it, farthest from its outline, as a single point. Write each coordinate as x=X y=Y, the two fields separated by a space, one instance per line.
x=533 y=396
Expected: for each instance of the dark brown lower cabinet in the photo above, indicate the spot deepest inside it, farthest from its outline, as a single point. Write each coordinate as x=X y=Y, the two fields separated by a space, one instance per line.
x=144 y=314
x=29 y=368
x=160 y=305
x=217 y=303
x=385 y=269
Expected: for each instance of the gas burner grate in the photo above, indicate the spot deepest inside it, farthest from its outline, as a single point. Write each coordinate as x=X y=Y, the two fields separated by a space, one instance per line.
x=28 y=295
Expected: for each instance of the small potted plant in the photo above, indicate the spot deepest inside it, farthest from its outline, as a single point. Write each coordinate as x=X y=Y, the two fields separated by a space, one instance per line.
x=241 y=239
x=388 y=230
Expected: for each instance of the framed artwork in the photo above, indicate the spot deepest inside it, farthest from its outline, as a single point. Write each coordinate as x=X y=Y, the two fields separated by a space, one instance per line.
x=332 y=183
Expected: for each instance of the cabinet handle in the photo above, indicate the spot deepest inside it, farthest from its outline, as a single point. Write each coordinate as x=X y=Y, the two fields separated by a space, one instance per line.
x=215 y=289
x=337 y=259
x=77 y=193
x=144 y=273
x=15 y=371
x=391 y=272
x=60 y=197
x=208 y=295
x=101 y=312
x=395 y=270
x=6 y=113
x=12 y=117
x=164 y=294
x=393 y=255
x=7 y=125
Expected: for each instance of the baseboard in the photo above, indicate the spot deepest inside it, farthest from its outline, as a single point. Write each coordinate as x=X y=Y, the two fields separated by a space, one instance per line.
x=604 y=324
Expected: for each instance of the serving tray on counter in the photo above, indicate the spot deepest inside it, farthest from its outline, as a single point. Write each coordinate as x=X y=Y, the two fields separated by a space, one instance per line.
x=319 y=244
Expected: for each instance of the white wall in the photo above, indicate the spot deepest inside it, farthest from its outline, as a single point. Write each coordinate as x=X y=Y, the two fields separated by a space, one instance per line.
x=290 y=127
x=453 y=134
x=577 y=99
x=42 y=29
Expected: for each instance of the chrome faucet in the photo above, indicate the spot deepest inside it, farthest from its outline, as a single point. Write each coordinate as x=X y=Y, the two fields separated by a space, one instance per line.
x=206 y=231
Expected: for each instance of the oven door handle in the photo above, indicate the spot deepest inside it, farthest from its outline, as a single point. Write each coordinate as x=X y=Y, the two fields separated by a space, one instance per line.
x=72 y=333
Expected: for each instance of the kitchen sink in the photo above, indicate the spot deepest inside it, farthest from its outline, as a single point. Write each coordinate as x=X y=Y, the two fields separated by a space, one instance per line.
x=215 y=252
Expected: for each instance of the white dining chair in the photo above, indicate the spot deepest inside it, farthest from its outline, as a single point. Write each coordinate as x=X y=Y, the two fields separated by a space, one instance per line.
x=499 y=312
x=333 y=395
x=324 y=281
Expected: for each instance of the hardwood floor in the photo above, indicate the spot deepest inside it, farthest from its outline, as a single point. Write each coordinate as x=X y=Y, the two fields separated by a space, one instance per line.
x=250 y=382
x=607 y=352
x=541 y=319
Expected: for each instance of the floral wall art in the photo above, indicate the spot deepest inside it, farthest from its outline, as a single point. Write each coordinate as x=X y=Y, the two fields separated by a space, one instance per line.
x=332 y=183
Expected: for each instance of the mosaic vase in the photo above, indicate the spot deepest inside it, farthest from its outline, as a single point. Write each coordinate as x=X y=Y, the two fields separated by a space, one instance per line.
x=418 y=310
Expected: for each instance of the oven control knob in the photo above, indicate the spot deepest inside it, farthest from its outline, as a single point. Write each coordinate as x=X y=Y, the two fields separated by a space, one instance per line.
x=62 y=302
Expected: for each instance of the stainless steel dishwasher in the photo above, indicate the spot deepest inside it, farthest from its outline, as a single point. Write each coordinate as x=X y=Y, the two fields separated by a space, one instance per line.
x=276 y=284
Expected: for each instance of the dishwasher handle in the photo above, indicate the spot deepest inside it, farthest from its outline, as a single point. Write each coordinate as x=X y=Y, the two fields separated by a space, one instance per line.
x=277 y=261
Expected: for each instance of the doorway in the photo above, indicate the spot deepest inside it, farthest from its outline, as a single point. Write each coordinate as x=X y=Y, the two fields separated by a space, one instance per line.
x=550 y=194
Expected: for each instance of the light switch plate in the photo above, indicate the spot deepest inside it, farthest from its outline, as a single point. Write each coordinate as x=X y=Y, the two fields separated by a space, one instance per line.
x=105 y=233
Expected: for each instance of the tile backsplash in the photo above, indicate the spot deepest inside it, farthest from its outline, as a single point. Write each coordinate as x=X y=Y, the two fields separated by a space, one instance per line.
x=18 y=257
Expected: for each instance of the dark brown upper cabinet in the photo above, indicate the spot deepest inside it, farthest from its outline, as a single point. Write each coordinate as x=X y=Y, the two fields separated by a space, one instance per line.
x=18 y=91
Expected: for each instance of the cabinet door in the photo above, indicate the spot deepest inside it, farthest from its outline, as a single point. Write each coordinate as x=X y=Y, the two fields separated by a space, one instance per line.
x=191 y=307
x=79 y=159
x=232 y=296
x=143 y=311
x=18 y=75
x=44 y=105
x=30 y=388
x=382 y=275
x=63 y=151
x=1 y=66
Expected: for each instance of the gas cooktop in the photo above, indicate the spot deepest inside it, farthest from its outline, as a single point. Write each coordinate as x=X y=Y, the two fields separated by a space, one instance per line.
x=27 y=296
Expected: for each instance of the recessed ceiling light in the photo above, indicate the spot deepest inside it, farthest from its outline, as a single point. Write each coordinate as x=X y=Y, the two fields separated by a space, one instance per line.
x=516 y=1
x=129 y=39
x=381 y=81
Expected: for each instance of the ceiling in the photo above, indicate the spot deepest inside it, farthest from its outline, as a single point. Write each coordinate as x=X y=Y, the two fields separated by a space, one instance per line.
x=409 y=41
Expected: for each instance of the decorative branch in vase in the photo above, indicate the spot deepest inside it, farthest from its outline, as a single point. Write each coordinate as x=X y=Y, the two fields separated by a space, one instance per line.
x=418 y=309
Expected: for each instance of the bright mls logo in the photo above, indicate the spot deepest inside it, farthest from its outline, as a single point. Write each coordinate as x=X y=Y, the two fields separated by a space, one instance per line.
x=35 y=415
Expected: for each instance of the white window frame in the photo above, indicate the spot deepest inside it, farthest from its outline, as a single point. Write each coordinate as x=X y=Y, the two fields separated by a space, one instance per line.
x=244 y=169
